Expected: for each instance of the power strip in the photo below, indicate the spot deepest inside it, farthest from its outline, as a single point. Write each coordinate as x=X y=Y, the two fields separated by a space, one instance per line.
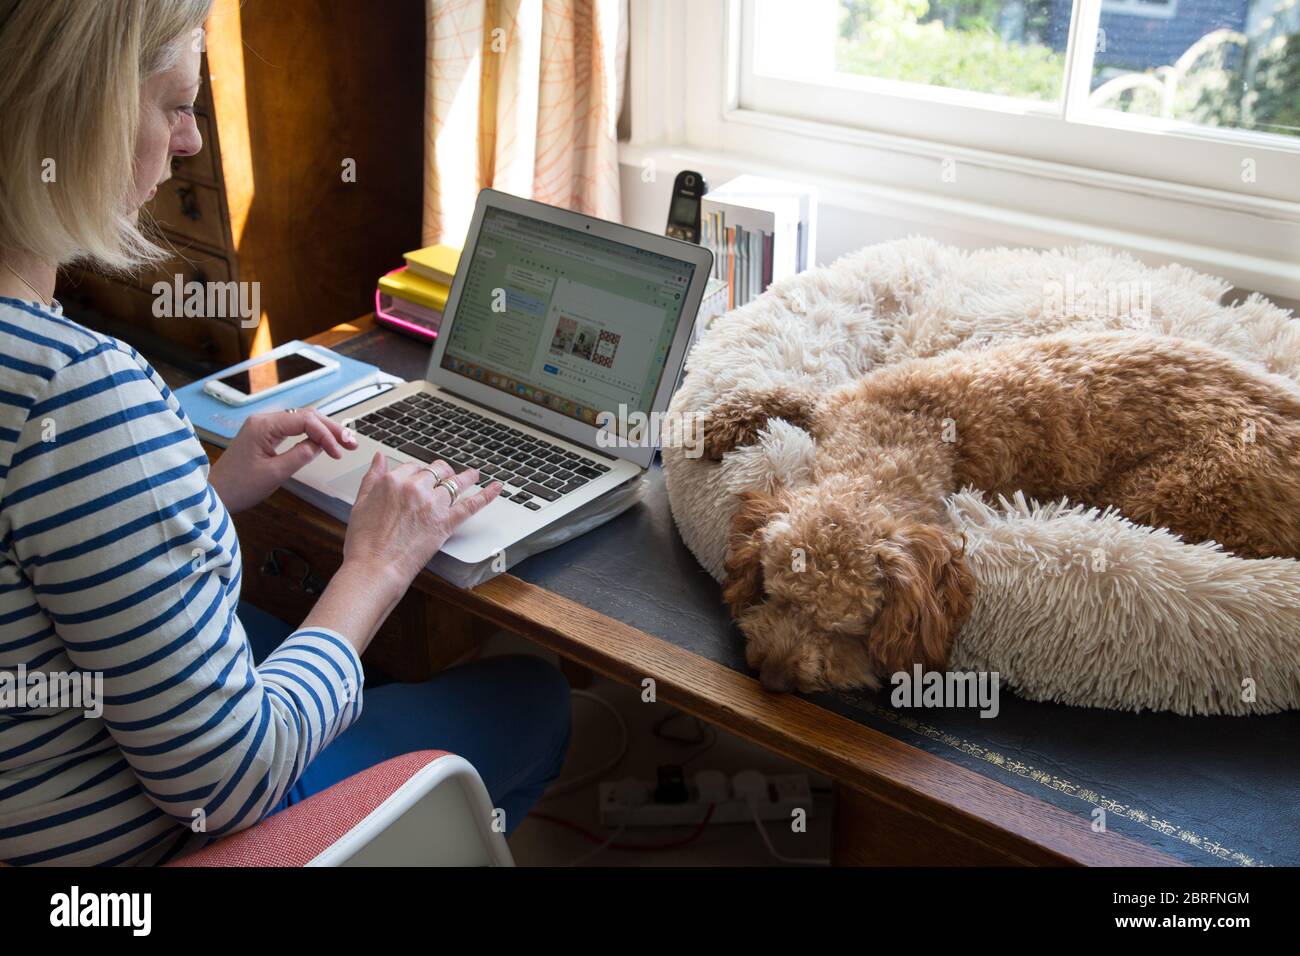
x=630 y=802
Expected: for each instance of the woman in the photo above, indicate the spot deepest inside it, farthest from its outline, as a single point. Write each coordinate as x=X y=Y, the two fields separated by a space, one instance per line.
x=117 y=553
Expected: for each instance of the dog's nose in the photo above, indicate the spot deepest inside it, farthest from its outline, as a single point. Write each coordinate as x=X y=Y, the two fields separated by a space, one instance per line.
x=778 y=682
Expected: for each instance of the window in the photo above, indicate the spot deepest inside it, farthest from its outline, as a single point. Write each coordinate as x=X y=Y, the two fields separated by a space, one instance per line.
x=1219 y=63
x=1088 y=83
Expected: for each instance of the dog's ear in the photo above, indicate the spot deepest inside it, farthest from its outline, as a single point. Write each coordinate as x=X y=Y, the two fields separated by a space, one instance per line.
x=743 y=585
x=927 y=598
x=739 y=419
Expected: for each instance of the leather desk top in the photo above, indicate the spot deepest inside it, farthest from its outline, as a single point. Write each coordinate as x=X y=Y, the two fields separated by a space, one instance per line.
x=1207 y=790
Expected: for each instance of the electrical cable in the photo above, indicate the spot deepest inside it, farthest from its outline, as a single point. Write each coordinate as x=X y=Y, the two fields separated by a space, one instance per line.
x=713 y=739
x=705 y=734
x=642 y=847
x=600 y=849
x=560 y=789
x=762 y=831
x=668 y=718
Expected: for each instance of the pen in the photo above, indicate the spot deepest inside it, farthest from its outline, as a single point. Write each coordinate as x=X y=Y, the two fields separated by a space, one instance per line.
x=374 y=378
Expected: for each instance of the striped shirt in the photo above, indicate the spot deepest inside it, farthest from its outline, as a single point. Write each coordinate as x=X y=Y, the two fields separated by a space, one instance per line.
x=118 y=559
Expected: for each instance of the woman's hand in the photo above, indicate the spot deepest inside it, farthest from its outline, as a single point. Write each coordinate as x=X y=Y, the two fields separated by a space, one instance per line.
x=401 y=518
x=249 y=470
x=399 y=521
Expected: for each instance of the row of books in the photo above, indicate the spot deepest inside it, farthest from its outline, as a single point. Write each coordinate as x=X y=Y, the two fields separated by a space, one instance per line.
x=412 y=298
x=759 y=230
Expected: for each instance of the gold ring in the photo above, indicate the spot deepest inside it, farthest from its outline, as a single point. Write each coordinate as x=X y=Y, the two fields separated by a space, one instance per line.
x=453 y=488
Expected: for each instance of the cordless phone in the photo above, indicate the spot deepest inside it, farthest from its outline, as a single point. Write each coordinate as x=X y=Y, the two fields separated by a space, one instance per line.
x=684 y=209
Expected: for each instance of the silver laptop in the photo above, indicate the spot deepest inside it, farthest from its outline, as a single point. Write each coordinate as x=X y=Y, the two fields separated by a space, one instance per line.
x=558 y=328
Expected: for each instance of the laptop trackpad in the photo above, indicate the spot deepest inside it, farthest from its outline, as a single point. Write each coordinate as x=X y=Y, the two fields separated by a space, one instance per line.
x=345 y=485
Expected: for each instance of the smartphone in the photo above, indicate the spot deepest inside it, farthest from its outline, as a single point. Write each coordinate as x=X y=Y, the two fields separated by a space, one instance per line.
x=270 y=375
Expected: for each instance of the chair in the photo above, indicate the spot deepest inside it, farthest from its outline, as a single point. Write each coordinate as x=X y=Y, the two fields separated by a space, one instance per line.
x=427 y=808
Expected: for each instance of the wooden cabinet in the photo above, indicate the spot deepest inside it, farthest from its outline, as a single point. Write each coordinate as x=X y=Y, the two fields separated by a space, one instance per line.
x=309 y=183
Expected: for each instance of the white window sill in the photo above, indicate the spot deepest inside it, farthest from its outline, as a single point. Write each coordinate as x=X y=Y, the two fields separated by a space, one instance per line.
x=1253 y=243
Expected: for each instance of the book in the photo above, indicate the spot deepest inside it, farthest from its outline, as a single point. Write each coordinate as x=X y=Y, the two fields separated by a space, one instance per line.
x=409 y=318
x=411 y=286
x=217 y=422
x=759 y=230
x=435 y=263
x=712 y=305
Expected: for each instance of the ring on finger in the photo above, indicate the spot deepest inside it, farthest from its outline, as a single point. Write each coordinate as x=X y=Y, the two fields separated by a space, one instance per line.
x=453 y=488
x=433 y=469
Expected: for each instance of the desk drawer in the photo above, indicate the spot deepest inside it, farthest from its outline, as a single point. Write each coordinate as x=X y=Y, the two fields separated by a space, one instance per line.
x=190 y=209
x=214 y=340
x=217 y=338
x=191 y=264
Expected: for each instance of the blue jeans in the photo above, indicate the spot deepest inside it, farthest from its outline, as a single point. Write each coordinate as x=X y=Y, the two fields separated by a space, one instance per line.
x=508 y=716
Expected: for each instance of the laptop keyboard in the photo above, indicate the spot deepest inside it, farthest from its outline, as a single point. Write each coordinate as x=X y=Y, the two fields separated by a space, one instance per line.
x=532 y=470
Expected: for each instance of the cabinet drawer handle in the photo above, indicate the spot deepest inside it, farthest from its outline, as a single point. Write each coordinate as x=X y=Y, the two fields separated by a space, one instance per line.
x=274 y=566
x=189 y=202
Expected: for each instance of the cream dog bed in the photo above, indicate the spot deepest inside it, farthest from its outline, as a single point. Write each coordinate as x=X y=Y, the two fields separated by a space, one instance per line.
x=1072 y=605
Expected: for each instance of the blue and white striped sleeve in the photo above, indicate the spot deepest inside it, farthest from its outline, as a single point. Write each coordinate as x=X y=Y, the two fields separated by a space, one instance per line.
x=134 y=559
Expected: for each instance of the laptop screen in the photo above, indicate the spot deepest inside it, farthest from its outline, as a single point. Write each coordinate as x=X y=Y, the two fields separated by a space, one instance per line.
x=573 y=322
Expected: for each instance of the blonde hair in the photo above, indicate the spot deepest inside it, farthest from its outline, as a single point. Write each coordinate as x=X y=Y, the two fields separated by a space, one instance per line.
x=69 y=116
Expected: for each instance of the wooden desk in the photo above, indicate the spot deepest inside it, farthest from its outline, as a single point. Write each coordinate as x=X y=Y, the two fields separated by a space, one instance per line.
x=895 y=802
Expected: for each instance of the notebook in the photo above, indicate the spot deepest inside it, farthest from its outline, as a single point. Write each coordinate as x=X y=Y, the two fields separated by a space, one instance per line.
x=218 y=422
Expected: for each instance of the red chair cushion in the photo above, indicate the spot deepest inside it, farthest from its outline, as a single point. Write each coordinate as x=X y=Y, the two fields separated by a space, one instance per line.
x=300 y=833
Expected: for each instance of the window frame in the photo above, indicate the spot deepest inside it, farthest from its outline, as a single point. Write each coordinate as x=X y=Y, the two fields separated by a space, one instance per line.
x=1142 y=8
x=684 y=111
x=1069 y=132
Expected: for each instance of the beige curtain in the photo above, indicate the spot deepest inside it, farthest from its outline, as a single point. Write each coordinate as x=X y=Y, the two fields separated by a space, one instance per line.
x=522 y=96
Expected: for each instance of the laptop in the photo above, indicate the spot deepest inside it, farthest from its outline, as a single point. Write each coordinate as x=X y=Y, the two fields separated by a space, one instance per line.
x=559 y=329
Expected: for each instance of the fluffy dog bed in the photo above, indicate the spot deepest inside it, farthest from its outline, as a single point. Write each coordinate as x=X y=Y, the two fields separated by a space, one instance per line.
x=1072 y=605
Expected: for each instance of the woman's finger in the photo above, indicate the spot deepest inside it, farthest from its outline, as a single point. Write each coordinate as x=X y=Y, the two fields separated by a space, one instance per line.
x=408 y=470
x=436 y=471
x=342 y=433
x=311 y=422
x=297 y=457
x=378 y=468
x=472 y=504
x=318 y=429
x=282 y=424
x=465 y=482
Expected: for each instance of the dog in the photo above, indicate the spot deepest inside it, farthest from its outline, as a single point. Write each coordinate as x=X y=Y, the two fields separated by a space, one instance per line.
x=859 y=573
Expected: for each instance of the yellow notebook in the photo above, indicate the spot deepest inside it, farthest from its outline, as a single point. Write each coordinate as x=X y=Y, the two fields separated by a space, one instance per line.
x=436 y=263
x=405 y=284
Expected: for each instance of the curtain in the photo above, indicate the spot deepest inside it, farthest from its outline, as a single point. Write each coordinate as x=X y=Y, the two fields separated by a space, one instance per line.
x=522 y=96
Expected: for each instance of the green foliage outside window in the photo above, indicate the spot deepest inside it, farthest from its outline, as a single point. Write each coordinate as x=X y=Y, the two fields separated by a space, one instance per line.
x=1000 y=47
x=957 y=47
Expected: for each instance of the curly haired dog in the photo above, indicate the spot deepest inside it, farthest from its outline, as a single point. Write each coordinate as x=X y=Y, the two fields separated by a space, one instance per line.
x=858 y=573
